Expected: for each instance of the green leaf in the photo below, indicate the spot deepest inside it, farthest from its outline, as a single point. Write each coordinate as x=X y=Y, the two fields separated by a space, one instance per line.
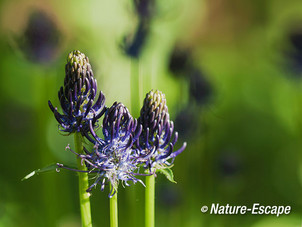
x=49 y=168
x=168 y=173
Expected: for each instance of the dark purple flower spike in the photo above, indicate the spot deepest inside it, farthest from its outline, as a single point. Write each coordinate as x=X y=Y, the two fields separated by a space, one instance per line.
x=156 y=142
x=77 y=97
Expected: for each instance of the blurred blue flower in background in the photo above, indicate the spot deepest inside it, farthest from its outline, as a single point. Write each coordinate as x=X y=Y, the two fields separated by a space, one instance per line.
x=41 y=39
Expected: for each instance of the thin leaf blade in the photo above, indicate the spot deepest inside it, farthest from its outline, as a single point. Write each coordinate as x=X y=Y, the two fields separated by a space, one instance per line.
x=49 y=168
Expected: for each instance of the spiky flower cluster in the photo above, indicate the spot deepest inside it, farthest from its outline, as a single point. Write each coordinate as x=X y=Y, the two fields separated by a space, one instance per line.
x=114 y=155
x=155 y=145
x=77 y=96
x=127 y=143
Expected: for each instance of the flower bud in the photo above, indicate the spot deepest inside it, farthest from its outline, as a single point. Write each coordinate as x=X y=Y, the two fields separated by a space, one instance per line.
x=155 y=143
x=77 y=96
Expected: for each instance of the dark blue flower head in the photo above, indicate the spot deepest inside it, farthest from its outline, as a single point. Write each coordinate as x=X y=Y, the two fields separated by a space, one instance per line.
x=41 y=38
x=155 y=143
x=133 y=44
x=114 y=158
x=200 y=89
x=145 y=9
x=77 y=96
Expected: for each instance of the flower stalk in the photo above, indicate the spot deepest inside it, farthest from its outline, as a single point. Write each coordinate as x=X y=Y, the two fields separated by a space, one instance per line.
x=150 y=201
x=83 y=183
x=113 y=209
x=155 y=145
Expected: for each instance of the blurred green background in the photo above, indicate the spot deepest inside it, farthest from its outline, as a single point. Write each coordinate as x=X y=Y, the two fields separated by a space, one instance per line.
x=232 y=74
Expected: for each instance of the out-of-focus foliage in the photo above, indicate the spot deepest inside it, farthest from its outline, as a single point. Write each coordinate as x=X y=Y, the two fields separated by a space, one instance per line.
x=234 y=92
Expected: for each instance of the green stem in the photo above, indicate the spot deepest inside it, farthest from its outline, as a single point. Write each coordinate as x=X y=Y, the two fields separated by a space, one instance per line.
x=113 y=210
x=83 y=183
x=150 y=201
x=135 y=87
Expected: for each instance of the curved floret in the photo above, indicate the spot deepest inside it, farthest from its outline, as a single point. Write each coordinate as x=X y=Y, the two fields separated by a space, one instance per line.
x=78 y=96
x=155 y=144
x=113 y=158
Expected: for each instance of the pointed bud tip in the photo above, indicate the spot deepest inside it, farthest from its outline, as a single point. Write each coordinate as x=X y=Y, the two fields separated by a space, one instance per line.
x=77 y=57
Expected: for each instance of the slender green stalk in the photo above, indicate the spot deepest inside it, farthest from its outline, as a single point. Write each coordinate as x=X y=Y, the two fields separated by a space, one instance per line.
x=48 y=184
x=83 y=184
x=113 y=210
x=135 y=87
x=150 y=201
